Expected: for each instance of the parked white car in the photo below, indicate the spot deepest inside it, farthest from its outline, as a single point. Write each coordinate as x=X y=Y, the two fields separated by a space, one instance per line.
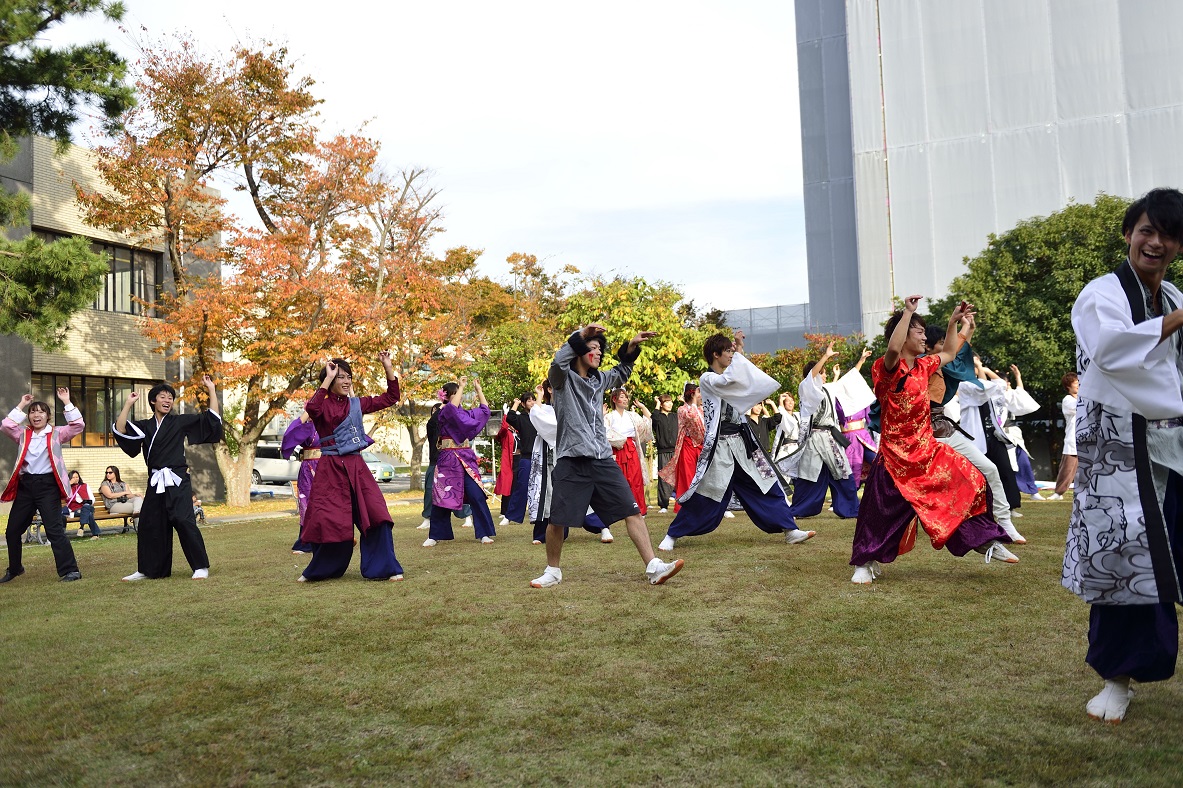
x=271 y=467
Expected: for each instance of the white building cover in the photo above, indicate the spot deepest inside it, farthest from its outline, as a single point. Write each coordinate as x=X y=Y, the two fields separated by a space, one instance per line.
x=968 y=116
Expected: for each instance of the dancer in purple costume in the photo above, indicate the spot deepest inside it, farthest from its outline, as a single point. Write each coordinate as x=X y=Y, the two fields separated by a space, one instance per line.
x=457 y=475
x=301 y=434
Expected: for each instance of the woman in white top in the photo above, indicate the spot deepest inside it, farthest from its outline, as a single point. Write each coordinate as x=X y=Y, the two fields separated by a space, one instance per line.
x=1068 y=457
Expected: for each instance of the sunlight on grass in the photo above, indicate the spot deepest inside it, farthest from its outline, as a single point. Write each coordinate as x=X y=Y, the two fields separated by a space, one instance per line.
x=759 y=664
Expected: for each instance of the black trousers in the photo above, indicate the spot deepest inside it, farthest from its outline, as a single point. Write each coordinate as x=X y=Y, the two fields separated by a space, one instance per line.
x=996 y=452
x=161 y=514
x=664 y=491
x=38 y=492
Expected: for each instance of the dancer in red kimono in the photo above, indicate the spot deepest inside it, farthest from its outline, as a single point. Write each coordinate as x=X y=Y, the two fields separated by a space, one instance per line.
x=628 y=432
x=679 y=471
x=916 y=478
x=344 y=491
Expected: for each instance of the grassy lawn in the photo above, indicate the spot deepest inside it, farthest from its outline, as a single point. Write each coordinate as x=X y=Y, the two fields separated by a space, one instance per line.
x=759 y=664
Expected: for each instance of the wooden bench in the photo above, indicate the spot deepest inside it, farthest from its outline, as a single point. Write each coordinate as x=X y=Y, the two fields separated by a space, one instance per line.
x=101 y=513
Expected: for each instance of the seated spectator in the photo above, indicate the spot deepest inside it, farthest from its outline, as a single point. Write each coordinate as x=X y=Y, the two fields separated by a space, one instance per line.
x=80 y=504
x=198 y=511
x=120 y=499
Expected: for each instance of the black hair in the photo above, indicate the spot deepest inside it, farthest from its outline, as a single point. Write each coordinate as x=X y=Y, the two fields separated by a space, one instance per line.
x=715 y=345
x=601 y=340
x=115 y=470
x=1163 y=209
x=895 y=319
x=528 y=395
x=450 y=388
x=71 y=473
x=933 y=335
x=546 y=392
x=807 y=370
x=160 y=388
x=342 y=366
x=41 y=406
x=688 y=391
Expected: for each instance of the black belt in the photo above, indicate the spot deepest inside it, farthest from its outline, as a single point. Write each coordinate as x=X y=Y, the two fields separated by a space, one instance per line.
x=744 y=431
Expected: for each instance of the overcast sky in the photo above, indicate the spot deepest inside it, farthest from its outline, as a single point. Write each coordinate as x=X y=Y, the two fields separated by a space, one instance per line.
x=651 y=138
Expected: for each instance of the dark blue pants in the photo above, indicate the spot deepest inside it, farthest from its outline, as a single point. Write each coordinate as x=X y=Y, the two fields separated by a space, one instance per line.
x=591 y=524
x=85 y=518
x=329 y=561
x=428 y=478
x=515 y=506
x=809 y=497
x=1141 y=641
x=700 y=515
x=482 y=520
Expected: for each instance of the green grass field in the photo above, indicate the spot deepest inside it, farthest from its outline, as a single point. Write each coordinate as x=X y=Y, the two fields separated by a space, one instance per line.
x=759 y=664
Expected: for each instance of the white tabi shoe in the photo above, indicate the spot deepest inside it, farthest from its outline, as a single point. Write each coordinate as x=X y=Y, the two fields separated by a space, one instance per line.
x=1054 y=497
x=486 y=540
x=536 y=541
x=659 y=571
x=551 y=577
x=1013 y=532
x=1035 y=496
x=430 y=543
x=467 y=522
x=797 y=536
x=423 y=526
x=1015 y=513
x=606 y=536
x=134 y=576
x=504 y=521
x=729 y=515
x=1110 y=704
x=863 y=575
x=994 y=549
x=659 y=511
x=201 y=574
x=667 y=544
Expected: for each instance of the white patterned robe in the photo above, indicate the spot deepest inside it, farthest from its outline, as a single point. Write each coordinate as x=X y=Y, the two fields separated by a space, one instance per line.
x=1130 y=385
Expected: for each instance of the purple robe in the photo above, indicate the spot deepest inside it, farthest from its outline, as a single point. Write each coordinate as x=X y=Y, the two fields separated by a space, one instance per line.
x=861 y=442
x=301 y=434
x=447 y=488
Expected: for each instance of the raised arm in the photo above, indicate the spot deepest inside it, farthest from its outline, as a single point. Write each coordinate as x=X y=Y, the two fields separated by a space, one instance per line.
x=820 y=367
x=895 y=343
x=208 y=382
x=953 y=339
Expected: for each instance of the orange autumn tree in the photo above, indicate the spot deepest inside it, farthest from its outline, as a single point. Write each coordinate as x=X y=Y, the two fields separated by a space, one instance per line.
x=287 y=296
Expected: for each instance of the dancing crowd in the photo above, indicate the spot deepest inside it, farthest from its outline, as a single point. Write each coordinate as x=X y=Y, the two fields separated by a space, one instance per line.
x=932 y=443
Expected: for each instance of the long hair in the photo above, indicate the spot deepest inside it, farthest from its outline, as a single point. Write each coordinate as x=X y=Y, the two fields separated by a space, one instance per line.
x=115 y=470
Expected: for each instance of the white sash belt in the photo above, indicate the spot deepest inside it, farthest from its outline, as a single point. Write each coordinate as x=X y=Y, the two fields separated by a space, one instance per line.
x=164 y=477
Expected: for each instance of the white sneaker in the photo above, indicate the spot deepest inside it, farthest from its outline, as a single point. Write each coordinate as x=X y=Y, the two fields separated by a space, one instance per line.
x=486 y=540
x=1110 y=704
x=994 y=549
x=201 y=574
x=551 y=577
x=423 y=526
x=659 y=511
x=606 y=536
x=1013 y=532
x=81 y=533
x=667 y=544
x=797 y=536
x=729 y=515
x=1015 y=513
x=467 y=522
x=134 y=576
x=1035 y=496
x=659 y=571
x=430 y=543
x=504 y=521
x=1054 y=497
x=863 y=575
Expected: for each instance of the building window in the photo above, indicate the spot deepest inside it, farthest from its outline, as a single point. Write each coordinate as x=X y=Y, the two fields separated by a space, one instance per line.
x=99 y=399
x=132 y=274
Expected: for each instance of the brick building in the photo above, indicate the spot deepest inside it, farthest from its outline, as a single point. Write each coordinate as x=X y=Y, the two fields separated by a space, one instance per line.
x=106 y=356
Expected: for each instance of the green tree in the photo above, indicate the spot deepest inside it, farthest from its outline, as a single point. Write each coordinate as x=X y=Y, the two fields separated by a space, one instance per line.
x=43 y=91
x=626 y=306
x=1024 y=284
